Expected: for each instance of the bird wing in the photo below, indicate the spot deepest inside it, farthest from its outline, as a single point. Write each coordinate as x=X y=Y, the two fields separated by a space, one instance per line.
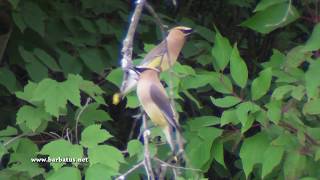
x=162 y=101
x=157 y=51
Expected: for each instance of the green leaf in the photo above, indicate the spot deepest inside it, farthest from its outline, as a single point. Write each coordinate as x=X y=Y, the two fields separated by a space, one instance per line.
x=9 y=131
x=295 y=57
x=221 y=50
x=28 y=92
x=238 y=67
x=197 y=81
x=34 y=17
x=218 y=152
x=260 y=86
x=312 y=107
x=99 y=172
x=298 y=92
x=135 y=148
x=132 y=102
x=274 y=111
x=3 y=150
x=91 y=114
x=93 y=60
x=313 y=42
x=61 y=149
x=87 y=24
x=46 y=59
x=276 y=61
x=198 y=123
x=115 y=76
x=36 y=70
x=71 y=89
x=221 y=83
x=103 y=26
x=18 y=20
x=272 y=18
x=205 y=33
x=271 y=158
x=226 y=101
x=229 y=116
x=252 y=150
x=107 y=155
x=243 y=109
x=8 y=79
x=32 y=116
x=14 y=3
x=69 y=64
x=312 y=79
x=264 y=4
x=49 y=91
x=92 y=135
x=294 y=165
x=281 y=91
x=69 y=173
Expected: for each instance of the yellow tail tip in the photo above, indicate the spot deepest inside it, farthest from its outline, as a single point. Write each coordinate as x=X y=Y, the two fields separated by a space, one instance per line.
x=116 y=99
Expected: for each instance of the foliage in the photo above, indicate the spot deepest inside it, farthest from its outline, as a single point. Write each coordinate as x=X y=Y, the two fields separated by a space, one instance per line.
x=257 y=61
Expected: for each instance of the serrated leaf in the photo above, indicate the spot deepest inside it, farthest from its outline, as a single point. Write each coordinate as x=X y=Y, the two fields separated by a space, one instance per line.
x=251 y=151
x=238 y=67
x=272 y=18
x=28 y=92
x=271 y=158
x=71 y=173
x=99 y=172
x=92 y=135
x=61 y=149
x=226 y=101
x=107 y=155
x=313 y=42
x=49 y=91
x=46 y=59
x=91 y=114
x=32 y=116
x=135 y=148
x=260 y=86
x=221 y=50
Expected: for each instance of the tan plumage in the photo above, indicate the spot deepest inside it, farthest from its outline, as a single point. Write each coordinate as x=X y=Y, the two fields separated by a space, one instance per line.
x=159 y=57
x=156 y=104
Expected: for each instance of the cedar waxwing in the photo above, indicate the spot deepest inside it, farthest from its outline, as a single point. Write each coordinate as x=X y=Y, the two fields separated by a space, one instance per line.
x=156 y=104
x=158 y=57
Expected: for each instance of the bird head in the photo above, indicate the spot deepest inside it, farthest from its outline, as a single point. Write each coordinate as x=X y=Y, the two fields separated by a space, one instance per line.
x=182 y=29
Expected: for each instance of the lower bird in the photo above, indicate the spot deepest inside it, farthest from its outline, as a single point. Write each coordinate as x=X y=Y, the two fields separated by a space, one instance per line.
x=155 y=102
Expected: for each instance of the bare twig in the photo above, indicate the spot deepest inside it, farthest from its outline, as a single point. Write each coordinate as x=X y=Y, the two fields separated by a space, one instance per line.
x=15 y=138
x=163 y=163
x=123 y=176
x=147 y=159
x=78 y=117
x=126 y=61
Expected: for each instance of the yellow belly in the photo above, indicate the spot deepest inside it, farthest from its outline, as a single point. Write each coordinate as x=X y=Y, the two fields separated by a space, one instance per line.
x=155 y=115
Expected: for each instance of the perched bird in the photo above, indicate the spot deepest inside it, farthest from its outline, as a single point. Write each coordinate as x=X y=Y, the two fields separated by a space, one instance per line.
x=155 y=102
x=161 y=57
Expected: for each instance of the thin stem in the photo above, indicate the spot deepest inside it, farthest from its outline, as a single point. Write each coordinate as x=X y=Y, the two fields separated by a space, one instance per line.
x=78 y=118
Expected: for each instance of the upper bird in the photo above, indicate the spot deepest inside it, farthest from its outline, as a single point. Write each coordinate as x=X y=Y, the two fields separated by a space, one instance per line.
x=161 y=57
